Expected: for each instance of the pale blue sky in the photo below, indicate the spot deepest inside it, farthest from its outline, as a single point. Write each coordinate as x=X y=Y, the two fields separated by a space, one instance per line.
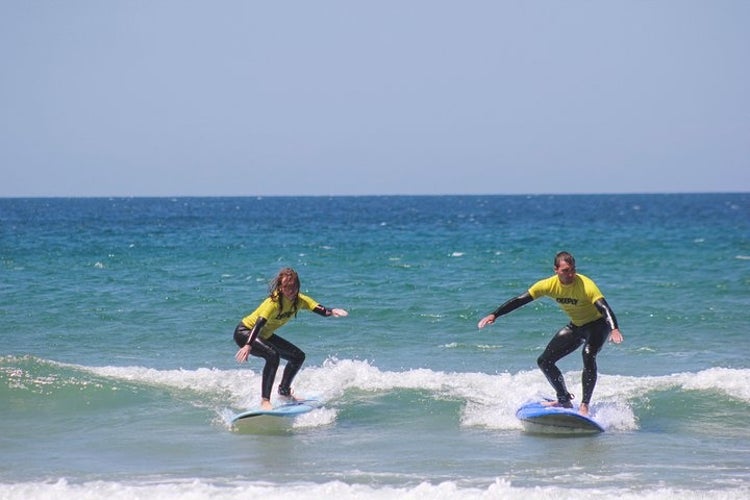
x=176 y=97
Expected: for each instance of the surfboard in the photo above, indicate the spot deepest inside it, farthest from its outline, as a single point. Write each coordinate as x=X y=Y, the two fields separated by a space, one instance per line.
x=283 y=411
x=540 y=419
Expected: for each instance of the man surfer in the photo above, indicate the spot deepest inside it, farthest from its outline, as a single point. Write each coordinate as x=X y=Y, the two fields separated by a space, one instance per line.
x=591 y=322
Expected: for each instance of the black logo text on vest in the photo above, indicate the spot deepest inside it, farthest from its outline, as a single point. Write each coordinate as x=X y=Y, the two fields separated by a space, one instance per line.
x=567 y=300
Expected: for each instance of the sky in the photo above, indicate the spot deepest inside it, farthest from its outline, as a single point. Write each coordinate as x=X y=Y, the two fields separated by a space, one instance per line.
x=386 y=97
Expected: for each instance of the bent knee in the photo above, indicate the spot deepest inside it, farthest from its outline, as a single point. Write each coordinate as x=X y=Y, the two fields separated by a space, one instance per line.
x=541 y=361
x=300 y=357
x=589 y=353
x=273 y=358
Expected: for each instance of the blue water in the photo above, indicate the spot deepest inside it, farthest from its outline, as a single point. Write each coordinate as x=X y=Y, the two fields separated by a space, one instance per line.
x=118 y=378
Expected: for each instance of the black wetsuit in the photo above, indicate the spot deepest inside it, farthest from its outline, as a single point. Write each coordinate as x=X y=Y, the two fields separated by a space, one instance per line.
x=273 y=349
x=583 y=302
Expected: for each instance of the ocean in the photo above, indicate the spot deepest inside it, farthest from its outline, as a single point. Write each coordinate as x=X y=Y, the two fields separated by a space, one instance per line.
x=118 y=378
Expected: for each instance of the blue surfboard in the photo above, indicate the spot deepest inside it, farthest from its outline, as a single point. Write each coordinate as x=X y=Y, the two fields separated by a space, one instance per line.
x=285 y=410
x=540 y=419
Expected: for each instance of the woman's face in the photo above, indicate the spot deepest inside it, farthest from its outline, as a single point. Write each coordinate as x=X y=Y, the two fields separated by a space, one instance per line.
x=289 y=288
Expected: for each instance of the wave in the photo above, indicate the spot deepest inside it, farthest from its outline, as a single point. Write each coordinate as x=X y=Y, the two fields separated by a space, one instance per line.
x=486 y=400
x=448 y=490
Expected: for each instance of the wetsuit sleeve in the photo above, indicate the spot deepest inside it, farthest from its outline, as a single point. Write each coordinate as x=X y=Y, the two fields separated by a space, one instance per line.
x=513 y=304
x=602 y=306
x=259 y=323
x=322 y=310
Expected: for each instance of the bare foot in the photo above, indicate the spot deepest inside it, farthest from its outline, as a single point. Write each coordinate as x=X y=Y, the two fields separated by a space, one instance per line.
x=266 y=404
x=584 y=409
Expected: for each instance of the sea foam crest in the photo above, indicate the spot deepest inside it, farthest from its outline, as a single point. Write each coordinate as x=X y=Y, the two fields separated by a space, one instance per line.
x=488 y=400
x=448 y=490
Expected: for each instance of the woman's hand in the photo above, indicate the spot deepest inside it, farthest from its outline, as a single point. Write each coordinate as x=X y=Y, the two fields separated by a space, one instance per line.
x=487 y=320
x=339 y=313
x=242 y=354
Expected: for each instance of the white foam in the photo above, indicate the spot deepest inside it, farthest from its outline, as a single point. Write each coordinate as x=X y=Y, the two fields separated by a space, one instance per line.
x=489 y=400
x=448 y=490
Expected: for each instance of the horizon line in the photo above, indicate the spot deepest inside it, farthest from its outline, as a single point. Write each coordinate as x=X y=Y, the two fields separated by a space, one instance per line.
x=402 y=195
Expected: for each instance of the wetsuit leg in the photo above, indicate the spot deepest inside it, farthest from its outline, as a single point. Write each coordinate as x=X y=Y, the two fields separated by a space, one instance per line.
x=562 y=344
x=294 y=357
x=261 y=349
x=241 y=334
x=595 y=334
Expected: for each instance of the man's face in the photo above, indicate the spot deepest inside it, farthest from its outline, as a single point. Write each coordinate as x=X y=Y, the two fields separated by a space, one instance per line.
x=565 y=272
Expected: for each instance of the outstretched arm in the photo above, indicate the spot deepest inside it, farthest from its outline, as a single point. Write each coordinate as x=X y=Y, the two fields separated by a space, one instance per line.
x=324 y=311
x=507 y=307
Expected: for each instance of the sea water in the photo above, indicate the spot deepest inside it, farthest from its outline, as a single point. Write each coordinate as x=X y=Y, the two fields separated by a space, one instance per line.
x=118 y=377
